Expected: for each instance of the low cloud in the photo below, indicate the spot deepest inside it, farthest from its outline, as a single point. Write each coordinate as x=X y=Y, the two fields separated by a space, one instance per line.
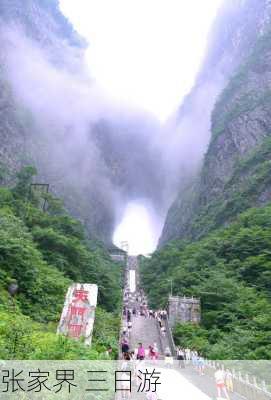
x=101 y=156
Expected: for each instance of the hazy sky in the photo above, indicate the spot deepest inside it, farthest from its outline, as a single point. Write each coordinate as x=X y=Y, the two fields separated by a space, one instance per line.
x=144 y=54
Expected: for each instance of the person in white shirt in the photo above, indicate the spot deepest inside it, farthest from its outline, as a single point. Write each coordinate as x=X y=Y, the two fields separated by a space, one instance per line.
x=187 y=354
x=220 y=383
x=163 y=330
x=155 y=349
x=180 y=357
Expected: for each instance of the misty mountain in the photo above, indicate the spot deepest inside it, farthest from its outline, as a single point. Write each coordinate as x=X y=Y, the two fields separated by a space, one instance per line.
x=231 y=121
x=95 y=156
x=98 y=156
x=215 y=244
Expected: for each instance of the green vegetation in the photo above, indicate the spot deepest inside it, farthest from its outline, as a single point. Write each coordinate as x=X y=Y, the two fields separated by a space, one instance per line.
x=247 y=102
x=250 y=180
x=43 y=252
x=226 y=260
x=22 y=338
x=230 y=270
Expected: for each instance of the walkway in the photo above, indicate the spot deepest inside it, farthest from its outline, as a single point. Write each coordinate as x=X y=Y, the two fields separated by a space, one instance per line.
x=145 y=330
x=176 y=383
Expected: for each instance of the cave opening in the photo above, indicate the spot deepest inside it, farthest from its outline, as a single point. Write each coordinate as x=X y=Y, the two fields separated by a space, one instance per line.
x=139 y=226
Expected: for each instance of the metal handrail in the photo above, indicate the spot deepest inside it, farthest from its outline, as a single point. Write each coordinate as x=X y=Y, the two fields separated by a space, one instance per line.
x=170 y=337
x=160 y=336
x=211 y=364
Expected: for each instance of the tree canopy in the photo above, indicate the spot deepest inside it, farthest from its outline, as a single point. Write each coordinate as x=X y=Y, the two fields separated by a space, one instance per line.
x=43 y=252
x=230 y=271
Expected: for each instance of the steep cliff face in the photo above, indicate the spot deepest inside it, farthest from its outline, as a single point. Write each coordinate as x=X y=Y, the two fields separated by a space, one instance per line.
x=39 y=50
x=236 y=167
x=97 y=164
x=52 y=115
x=42 y=22
x=30 y=133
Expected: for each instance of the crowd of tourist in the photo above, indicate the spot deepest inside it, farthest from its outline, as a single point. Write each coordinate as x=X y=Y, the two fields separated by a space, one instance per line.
x=135 y=305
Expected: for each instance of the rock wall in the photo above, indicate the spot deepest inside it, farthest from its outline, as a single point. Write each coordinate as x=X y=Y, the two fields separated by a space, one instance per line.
x=232 y=177
x=183 y=310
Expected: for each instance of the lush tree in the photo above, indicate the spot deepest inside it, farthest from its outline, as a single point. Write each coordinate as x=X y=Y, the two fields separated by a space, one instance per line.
x=230 y=271
x=44 y=252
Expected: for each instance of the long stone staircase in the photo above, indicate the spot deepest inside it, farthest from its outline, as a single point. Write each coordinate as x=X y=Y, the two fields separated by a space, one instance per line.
x=144 y=330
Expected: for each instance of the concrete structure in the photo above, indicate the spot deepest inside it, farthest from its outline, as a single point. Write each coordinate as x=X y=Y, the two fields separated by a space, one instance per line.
x=118 y=254
x=183 y=309
x=118 y=257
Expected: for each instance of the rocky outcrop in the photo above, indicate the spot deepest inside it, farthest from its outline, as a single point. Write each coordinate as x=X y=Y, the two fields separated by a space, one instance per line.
x=29 y=136
x=42 y=22
x=93 y=156
x=240 y=123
